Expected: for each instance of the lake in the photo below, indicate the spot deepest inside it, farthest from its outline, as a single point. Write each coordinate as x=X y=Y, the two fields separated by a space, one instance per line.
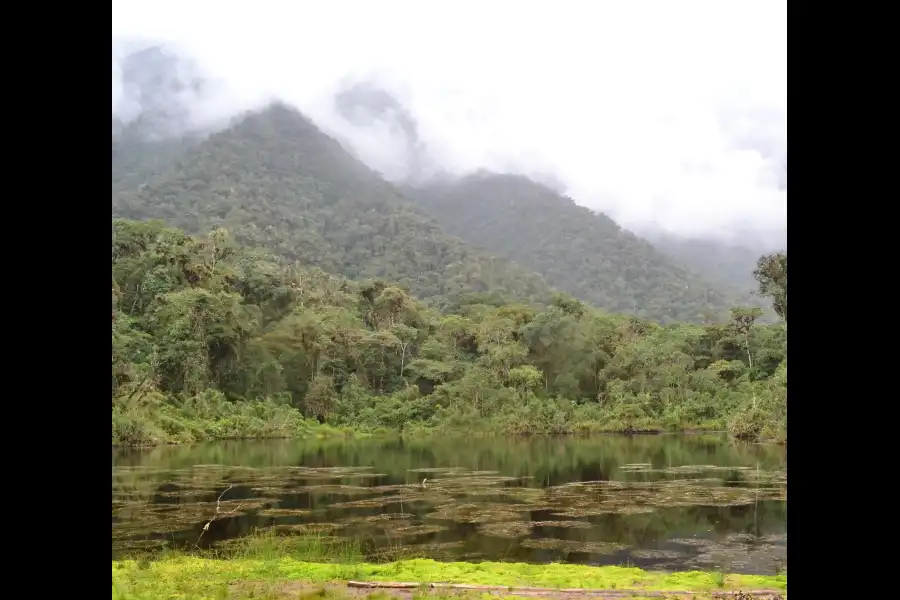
x=672 y=502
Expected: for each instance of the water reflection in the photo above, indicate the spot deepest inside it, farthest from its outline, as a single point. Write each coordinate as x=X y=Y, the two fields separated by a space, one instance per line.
x=672 y=502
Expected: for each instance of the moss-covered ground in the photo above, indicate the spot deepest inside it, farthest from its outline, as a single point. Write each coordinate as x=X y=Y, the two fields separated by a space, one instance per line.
x=199 y=578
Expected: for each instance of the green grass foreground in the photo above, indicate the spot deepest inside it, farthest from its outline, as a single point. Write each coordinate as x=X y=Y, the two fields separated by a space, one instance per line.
x=199 y=578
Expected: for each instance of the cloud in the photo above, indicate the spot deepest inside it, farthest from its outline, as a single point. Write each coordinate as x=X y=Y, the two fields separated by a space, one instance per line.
x=656 y=112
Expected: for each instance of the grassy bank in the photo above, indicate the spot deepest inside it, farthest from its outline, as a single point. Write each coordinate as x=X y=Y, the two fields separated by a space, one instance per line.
x=194 y=577
x=268 y=566
x=157 y=420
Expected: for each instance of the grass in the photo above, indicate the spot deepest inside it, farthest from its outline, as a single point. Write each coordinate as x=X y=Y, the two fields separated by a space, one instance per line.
x=267 y=566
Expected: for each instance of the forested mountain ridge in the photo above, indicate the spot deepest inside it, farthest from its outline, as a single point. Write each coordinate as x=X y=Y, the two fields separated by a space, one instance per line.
x=276 y=181
x=581 y=252
x=727 y=263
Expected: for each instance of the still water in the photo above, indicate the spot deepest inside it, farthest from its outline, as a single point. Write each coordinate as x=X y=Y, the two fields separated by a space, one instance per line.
x=657 y=502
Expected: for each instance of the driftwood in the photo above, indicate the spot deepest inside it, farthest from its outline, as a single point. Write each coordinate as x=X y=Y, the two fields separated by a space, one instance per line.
x=407 y=585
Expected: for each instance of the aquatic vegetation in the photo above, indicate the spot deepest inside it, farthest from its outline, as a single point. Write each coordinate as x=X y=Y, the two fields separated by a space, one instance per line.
x=284 y=512
x=135 y=545
x=512 y=529
x=334 y=489
x=387 y=517
x=476 y=513
x=308 y=528
x=692 y=541
x=452 y=513
x=414 y=530
x=567 y=524
x=434 y=470
x=573 y=546
x=654 y=554
x=381 y=501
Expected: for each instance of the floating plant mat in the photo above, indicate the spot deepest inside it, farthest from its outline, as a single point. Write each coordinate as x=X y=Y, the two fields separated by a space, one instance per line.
x=692 y=541
x=309 y=528
x=401 y=525
x=138 y=545
x=655 y=554
x=475 y=513
x=512 y=529
x=466 y=481
x=432 y=471
x=573 y=546
x=284 y=512
x=414 y=530
x=517 y=529
x=523 y=494
x=570 y=524
x=334 y=489
x=232 y=506
x=576 y=513
x=746 y=471
x=197 y=493
x=385 y=517
x=381 y=501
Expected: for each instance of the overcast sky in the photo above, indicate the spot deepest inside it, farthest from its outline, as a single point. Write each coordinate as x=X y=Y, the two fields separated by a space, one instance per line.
x=655 y=112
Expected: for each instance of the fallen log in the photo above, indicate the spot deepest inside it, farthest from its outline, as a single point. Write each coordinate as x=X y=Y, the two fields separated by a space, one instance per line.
x=409 y=585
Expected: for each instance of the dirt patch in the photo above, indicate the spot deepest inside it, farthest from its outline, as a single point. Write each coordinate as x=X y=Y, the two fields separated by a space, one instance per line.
x=309 y=591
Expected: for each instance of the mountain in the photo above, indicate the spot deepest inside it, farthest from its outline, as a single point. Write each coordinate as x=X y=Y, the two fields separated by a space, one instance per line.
x=275 y=180
x=152 y=121
x=577 y=250
x=720 y=261
x=135 y=159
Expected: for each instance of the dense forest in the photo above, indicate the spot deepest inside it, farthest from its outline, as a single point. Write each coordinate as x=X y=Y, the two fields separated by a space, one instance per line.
x=276 y=181
x=581 y=252
x=212 y=339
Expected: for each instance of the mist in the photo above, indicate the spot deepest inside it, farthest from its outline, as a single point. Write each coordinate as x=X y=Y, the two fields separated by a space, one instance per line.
x=666 y=116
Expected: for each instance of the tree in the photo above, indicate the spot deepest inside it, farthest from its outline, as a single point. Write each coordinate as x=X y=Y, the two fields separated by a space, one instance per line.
x=771 y=274
x=212 y=340
x=742 y=320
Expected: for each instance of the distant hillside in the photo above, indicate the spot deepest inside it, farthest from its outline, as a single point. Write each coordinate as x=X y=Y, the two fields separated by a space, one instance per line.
x=275 y=180
x=583 y=253
x=732 y=264
x=135 y=160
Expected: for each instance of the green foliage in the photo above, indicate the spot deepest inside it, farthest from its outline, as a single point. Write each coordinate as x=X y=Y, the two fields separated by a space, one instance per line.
x=584 y=253
x=275 y=180
x=274 y=570
x=211 y=341
x=771 y=274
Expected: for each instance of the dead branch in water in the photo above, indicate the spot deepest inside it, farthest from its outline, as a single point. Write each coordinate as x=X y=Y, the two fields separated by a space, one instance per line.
x=218 y=514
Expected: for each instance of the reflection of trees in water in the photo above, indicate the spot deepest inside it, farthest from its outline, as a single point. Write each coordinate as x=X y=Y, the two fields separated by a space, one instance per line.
x=304 y=476
x=512 y=456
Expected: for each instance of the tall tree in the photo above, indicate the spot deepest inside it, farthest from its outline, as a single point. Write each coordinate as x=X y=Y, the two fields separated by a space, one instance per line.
x=771 y=274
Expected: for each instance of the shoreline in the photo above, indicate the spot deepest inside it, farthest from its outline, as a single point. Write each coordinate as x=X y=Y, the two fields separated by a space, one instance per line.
x=419 y=433
x=279 y=576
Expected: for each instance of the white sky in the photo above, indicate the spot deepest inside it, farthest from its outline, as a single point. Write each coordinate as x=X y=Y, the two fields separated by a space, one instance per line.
x=662 y=112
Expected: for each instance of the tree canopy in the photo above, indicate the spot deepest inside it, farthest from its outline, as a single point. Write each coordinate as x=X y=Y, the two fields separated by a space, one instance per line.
x=214 y=339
